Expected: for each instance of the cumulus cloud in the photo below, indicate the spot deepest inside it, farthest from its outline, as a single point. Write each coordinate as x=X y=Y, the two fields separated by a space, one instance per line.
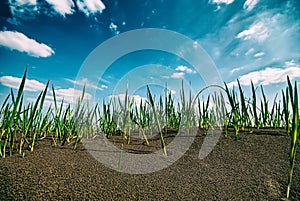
x=250 y=4
x=268 y=76
x=90 y=6
x=177 y=75
x=62 y=7
x=14 y=83
x=257 y=31
x=18 y=41
x=181 y=70
x=185 y=69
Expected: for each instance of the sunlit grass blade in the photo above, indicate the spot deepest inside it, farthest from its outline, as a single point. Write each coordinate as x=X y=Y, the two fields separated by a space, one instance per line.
x=294 y=133
x=286 y=113
x=254 y=106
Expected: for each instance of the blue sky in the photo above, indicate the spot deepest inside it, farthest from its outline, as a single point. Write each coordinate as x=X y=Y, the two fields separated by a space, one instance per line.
x=254 y=40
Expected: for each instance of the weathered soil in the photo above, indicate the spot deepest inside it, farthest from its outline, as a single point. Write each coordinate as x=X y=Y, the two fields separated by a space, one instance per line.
x=252 y=168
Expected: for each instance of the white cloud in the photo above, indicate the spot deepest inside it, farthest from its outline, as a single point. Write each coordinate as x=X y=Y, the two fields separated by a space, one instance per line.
x=222 y=1
x=259 y=54
x=219 y=2
x=182 y=70
x=257 y=31
x=185 y=69
x=14 y=82
x=177 y=75
x=18 y=41
x=87 y=83
x=250 y=4
x=90 y=6
x=63 y=7
x=114 y=28
x=268 y=76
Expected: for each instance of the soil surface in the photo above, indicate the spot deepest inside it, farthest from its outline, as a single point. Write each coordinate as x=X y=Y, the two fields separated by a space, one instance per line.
x=252 y=168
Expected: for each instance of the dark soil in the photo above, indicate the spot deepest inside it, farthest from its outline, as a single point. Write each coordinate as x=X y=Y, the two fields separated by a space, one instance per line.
x=252 y=168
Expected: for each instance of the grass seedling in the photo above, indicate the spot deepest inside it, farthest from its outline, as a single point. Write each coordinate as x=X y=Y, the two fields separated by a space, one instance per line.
x=10 y=130
x=286 y=112
x=244 y=119
x=39 y=115
x=234 y=115
x=152 y=104
x=141 y=119
x=294 y=133
x=254 y=106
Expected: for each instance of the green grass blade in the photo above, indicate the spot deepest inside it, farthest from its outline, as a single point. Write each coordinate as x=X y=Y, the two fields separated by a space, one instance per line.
x=294 y=136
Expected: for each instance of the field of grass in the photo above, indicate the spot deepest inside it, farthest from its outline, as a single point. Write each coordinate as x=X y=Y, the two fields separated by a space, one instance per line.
x=22 y=126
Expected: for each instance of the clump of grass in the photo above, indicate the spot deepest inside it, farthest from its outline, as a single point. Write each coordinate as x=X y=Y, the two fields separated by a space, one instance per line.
x=294 y=132
x=23 y=125
x=235 y=116
x=153 y=106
